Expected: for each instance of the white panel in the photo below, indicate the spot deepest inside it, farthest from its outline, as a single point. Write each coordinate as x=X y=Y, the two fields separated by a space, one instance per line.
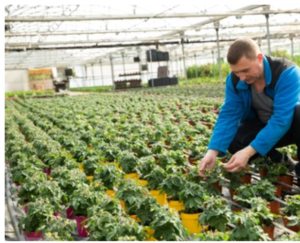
x=16 y=80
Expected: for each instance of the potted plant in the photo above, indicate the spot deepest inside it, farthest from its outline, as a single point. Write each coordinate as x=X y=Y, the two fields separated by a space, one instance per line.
x=130 y=195
x=104 y=226
x=172 y=185
x=167 y=226
x=211 y=236
x=37 y=218
x=144 y=168
x=110 y=175
x=247 y=228
x=291 y=209
x=90 y=164
x=216 y=213
x=154 y=178
x=128 y=163
x=80 y=200
x=278 y=172
x=266 y=190
x=193 y=196
x=59 y=230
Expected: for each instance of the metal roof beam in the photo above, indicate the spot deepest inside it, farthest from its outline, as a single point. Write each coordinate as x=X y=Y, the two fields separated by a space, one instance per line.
x=144 y=30
x=144 y=16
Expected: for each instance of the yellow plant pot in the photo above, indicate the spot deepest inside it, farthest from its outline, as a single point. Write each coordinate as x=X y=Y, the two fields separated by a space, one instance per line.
x=134 y=176
x=111 y=193
x=134 y=217
x=191 y=222
x=149 y=234
x=123 y=205
x=176 y=205
x=90 y=178
x=81 y=167
x=70 y=155
x=160 y=196
x=142 y=182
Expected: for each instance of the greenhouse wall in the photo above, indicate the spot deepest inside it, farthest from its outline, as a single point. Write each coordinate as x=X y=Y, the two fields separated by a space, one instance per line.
x=16 y=80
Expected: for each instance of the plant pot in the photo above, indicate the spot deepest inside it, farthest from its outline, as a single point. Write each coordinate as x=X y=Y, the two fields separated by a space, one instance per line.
x=134 y=217
x=90 y=178
x=191 y=222
x=232 y=193
x=81 y=167
x=142 y=182
x=160 y=196
x=270 y=231
x=134 y=176
x=277 y=193
x=82 y=231
x=123 y=204
x=47 y=171
x=111 y=193
x=287 y=180
x=218 y=186
x=274 y=207
x=263 y=173
x=176 y=205
x=33 y=236
x=149 y=233
x=70 y=212
x=295 y=228
x=246 y=179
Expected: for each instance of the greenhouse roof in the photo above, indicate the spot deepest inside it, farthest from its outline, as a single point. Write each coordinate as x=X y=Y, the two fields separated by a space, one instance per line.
x=45 y=36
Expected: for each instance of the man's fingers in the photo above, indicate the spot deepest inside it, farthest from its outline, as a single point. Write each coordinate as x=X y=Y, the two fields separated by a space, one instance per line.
x=229 y=164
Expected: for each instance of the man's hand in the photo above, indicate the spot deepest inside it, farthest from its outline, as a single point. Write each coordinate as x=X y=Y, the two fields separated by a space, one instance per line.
x=239 y=160
x=208 y=162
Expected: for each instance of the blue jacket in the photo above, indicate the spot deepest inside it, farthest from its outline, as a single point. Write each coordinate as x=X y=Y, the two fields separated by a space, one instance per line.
x=283 y=86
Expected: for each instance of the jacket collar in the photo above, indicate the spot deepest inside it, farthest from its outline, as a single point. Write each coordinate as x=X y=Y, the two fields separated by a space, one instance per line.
x=267 y=74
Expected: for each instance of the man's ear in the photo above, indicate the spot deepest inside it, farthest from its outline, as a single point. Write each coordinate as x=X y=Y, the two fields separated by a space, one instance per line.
x=260 y=57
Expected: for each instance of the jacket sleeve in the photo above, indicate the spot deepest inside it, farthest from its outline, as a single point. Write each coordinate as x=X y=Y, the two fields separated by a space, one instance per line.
x=287 y=95
x=228 y=120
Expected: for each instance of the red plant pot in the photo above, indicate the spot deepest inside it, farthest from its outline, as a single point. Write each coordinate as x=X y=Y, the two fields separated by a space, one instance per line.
x=277 y=193
x=295 y=228
x=286 y=180
x=218 y=186
x=274 y=207
x=70 y=212
x=246 y=179
x=269 y=230
x=263 y=173
x=82 y=231
x=47 y=171
x=33 y=236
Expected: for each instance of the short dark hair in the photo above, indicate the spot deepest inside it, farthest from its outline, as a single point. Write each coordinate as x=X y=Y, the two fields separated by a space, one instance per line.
x=242 y=47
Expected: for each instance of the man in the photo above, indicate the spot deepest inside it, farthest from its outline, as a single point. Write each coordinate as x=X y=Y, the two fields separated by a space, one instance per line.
x=261 y=111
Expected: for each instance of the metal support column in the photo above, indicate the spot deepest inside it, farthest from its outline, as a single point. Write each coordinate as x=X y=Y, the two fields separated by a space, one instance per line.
x=213 y=62
x=152 y=84
x=93 y=74
x=217 y=24
x=183 y=59
x=101 y=72
x=112 y=72
x=268 y=35
x=123 y=59
x=177 y=70
x=292 y=46
x=196 y=66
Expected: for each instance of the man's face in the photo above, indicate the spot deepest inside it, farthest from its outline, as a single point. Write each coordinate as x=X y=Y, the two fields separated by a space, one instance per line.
x=248 y=70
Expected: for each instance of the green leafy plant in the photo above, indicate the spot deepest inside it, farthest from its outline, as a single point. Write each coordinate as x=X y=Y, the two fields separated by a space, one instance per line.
x=104 y=226
x=90 y=165
x=59 y=230
x=38 y=215
x=275 y=170
x=216 y=213
x=131 y=194
x=247 y=228
x=83 y=198
x=193 y=196
x=109 y=174
x=145 y=166
x=212 y=236
x=155 y=178
x=168 y=226
x=146 y=210
x=173 y=184
x=265 y=189
x=128 y=162
x=292 y=207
